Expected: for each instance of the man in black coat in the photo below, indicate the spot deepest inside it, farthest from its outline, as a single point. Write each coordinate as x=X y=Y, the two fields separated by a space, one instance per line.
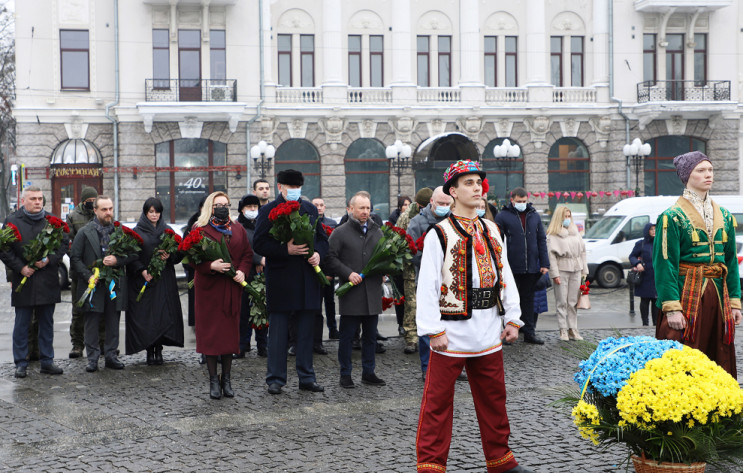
x=526 y=242
x=41 y=290
x=292 y=288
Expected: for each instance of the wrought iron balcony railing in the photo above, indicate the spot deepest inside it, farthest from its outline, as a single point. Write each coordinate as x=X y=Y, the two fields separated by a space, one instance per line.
x=191 y=90
x=683 y=90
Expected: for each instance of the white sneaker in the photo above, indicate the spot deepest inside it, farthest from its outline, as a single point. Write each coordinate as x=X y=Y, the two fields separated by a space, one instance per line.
x=564 y=334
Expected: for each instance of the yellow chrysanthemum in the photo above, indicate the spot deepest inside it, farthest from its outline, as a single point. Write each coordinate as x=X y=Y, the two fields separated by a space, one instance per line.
x=583 y=414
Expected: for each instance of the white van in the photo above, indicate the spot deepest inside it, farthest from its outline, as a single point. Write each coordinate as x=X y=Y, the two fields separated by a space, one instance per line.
x=611 y=239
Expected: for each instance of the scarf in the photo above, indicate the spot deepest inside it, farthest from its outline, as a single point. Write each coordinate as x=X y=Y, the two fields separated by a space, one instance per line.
x=223 y=228
x=35 y=217
x=482 y=254
x=703 y=205
x=104 y=233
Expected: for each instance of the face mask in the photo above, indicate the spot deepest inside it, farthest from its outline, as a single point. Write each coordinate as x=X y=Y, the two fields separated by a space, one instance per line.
x=566 y=223
x=222 y=214
x=442 y=211
x=251 y=214
x=293 y=194
x=480 y=212
x=520 y=206
x=88 y=205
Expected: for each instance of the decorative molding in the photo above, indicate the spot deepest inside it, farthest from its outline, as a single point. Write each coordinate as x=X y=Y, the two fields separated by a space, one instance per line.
x=233 y=121
x=75 y=12
x=503 y=128
x=568 y=21
x=403 y=127
x=436 y=127
x=297 y=129
x=569 y=127
x=471 y=126
x=191 y=127
x=676 y=125
x=434 y=20
x=538 y=128
x=296 y=19
x=160 y=17
x=333 y=128
x=268 y=128
x=147 y=119
x=646 y=119
x=501 y=21
x=715 y=120
x=602 y=127
x=366 y=20
x=189 y=17
x=368 y=129
x=76 y=129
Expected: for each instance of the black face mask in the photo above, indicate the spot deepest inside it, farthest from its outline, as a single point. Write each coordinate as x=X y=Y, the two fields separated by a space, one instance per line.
x=88 y=205
x=222 y=214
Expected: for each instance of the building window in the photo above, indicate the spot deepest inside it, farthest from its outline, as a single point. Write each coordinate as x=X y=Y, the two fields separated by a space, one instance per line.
x=354 y=60
x=444 y=61
x=649 y=58
x=218 y=56
x=75 y=59
x=660 y=173
x=491 y=67
x=186 y=175
x=700 y=60
x=576 y=61
x=511 y=61
x=367 y=168
x=556 y=61
x=302 y=156
x=424 y=65
x=503 y=174
x=285 y=59
x=675 y=66
x=161 y=59
x=568 y=165
x=307 y=59
x=376 y=60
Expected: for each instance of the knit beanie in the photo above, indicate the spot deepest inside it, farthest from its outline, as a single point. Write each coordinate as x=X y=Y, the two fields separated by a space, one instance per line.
x=88 y=193
x=423 y=196
x=686 y=163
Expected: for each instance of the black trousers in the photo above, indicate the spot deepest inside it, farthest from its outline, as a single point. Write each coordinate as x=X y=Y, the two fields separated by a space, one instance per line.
x=526 y=284
x=328 y=296
x=644 y=303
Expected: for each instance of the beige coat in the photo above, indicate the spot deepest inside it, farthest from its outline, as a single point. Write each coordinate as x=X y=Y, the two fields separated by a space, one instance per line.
x=567 y=252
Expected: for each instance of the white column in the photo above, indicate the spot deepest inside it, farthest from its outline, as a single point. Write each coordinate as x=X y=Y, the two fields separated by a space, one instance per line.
x=537 y=51
x=471 y=56
x=332 y=43
x=403 y=44
x=600 y=43
x=268 y=50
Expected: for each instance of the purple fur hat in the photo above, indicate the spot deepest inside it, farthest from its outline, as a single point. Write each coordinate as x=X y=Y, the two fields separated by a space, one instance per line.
x=686 y=163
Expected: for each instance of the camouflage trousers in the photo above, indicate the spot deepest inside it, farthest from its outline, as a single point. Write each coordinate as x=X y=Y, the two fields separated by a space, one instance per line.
x=408 y=321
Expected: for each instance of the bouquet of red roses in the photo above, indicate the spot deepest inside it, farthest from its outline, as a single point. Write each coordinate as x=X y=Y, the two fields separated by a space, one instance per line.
x=9 y=234
x=199 y=248
x=47 y=241
x=122 y=243
x=288 y=225
x=394 y=248
x=169 y=242
x=585 y=288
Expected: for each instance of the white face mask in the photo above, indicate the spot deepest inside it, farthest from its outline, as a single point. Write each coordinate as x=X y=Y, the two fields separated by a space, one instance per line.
x=480 y=212
x=251 y=214
x=520 y=206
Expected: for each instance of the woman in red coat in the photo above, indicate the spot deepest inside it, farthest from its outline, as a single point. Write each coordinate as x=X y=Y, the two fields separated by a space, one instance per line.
x=217 y=297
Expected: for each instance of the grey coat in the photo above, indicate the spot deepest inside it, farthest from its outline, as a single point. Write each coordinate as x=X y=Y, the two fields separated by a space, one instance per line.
x=418 y=227
x=349 y=251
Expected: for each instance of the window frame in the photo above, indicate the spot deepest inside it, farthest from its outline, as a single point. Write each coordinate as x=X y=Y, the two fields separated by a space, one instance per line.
x=372 y=55
x=280 y=53
x=652 y=53
x=558 y=56
x=444 y=55
x=581 y=56
x=423 y=55
x=357 y=56
x=302 y=55
x=156 y=84
x=704 y=54
x=62 y=51
x=212 y=49
x=513 y=54
x=494 y=57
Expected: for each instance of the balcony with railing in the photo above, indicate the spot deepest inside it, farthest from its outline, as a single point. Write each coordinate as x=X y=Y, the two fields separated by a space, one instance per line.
x=502 y=95
x=369 y=95
x=440 y=95
x=298 y=95
x=190 y=90
x=683 y=91
x=574 y=95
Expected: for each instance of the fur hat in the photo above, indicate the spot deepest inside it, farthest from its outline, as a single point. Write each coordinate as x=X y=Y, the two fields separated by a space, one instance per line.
x=249 y=199
x=423 y=196
x=461 y=168
x=686 y=163
x=88 y=193
x=290 y=177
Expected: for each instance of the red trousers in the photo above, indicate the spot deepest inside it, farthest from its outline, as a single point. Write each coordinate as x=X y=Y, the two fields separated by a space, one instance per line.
x=485 y=374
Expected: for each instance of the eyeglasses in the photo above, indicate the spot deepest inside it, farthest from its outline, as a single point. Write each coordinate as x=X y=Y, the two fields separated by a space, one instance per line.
x=221 y=206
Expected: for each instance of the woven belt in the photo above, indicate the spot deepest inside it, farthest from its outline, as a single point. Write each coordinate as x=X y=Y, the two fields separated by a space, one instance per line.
x=483 y=298
x=691 y=295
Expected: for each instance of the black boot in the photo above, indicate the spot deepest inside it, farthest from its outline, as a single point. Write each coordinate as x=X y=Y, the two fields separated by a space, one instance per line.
x=150 y=356
x=215 y=391
x=226 y=386
x=158 y=354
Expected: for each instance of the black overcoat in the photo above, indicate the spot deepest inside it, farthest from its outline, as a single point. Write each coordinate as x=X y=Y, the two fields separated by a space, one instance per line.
x=291 y=282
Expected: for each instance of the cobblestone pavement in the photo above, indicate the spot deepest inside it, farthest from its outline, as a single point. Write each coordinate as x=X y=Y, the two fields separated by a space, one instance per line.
x=161 y=419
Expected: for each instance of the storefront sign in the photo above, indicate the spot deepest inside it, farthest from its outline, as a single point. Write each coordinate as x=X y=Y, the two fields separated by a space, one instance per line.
x=77 y=172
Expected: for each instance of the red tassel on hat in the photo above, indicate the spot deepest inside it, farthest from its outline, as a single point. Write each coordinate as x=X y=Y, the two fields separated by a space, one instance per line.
x=485 y=186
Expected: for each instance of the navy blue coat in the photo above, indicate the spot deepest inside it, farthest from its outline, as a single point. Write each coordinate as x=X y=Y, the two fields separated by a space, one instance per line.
x=643 y=252
x=527 y=248
x=540 y=294
x=291 y=283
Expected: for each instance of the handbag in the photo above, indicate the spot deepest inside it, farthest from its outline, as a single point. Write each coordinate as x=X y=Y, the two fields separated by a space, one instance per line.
x=583 y=302
x=634 y=277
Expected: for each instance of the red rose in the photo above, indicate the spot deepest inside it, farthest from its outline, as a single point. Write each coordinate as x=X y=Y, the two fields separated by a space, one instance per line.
x=400 y=301
x=328 y=230
x=15 y=232
x=177 y=238
x=117 y=223
x=419 y=243
x=293 y=205
x=133 y=234
x=387 y=302
x=168 y=231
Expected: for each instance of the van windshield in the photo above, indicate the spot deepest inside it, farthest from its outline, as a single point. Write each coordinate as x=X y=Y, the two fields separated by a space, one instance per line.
x=604 y=227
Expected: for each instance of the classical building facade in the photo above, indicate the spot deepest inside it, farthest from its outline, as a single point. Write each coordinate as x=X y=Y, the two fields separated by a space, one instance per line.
x=166 y=97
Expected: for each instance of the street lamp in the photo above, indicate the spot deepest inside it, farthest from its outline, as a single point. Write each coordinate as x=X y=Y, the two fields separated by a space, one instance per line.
x=635 y=154
x=262 y=154
x=399 y=156
x=506 y=154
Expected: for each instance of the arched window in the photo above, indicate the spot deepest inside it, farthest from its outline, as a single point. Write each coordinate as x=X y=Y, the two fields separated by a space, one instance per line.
x=179 y=189
x=568 y=165
x=75 y=163
x=434 y=155
x=504 y=174
x=367 y=169
x=300 y=155
x=660 y=173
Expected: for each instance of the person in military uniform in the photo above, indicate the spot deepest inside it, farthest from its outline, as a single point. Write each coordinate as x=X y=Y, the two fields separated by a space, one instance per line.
x=77 y=219
x=696 y=267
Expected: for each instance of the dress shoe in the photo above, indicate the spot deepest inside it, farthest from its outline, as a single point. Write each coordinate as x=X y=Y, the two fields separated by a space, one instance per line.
x=423 y=376
x=262 y=352
x=202 y=359
x=313 y=387
x=292 y=351
x=381 y=337
x=150 y=356
x=573 y=334
x=274 y=388
x=238 y=356
x=92 y=366
x=347 y=382
x=356 y=344
x=159 y=355
x=372 y=380
x=518 y=469
x=564 y=334
x=320 y=350
x=227 y=386
x=334 y=334
x=401 y=330
x=76 y=352
x=380 y=348
x=215 y=390
x=533 y=340
x=410 y=348
x=51 y=368
x=20 y=372
x=114 y=364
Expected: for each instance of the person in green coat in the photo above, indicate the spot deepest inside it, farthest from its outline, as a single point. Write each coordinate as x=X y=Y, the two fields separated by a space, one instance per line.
x=695 y=246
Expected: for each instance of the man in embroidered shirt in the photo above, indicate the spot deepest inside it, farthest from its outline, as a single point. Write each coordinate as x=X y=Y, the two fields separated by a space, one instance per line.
x=467 y=304
x=696 y=267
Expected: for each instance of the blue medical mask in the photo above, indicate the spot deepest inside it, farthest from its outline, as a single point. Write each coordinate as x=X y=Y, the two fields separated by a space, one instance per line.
x=251 y=214
x=520 y=206
x=293 y=194
x=566 y=223
x=480 y=212
x=442 y=210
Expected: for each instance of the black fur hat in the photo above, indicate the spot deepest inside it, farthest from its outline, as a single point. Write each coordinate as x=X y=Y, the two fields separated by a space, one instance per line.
x=290 y=177
x=249 y=199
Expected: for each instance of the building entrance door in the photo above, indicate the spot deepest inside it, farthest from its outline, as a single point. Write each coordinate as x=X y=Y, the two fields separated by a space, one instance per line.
x=67 y=189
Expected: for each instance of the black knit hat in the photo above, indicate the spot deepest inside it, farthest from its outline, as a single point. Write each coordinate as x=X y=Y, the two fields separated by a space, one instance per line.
x=88 y=193
x=290 y=177
x=248 y=199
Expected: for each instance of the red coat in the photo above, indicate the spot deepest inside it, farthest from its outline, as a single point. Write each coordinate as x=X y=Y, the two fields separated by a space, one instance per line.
x=218 y=298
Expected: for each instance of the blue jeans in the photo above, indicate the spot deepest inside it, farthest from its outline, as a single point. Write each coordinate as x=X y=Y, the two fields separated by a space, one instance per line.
x=278 y=336
x=424 y=350
x=45 y=315
x=348 y=327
